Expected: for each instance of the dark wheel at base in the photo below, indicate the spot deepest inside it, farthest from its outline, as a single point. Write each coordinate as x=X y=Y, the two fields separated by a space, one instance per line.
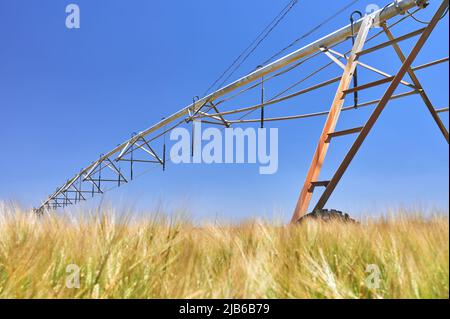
x=327 y=215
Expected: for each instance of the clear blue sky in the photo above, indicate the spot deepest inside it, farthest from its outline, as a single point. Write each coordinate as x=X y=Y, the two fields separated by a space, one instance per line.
x=68 y=95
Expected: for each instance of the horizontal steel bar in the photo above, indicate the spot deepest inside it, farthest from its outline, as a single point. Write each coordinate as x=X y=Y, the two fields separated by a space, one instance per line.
x=83 y=192
x=427 y=65
x=369 y=85
x=301 y=116
x=138 y=161
x=214 y=123
x=390 y=42
x=344 y=132
x=318 y=184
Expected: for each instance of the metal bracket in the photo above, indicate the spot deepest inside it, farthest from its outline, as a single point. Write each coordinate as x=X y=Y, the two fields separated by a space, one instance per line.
x=422 y=3
x=399 y=8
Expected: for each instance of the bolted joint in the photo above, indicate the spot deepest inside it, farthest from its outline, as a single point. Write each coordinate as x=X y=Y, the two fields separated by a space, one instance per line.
x=399 y=8
x=422 y=3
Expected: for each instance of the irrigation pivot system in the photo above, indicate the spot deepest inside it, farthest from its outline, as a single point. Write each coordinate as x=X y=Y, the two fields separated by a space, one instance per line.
x=118 y=166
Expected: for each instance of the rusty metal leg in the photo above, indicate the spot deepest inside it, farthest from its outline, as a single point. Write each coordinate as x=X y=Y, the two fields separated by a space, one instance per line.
x=381 y=105
x=416 y=82
x=330 y=124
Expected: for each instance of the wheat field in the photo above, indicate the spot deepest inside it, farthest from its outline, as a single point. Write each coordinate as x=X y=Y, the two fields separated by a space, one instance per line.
x=115 y=257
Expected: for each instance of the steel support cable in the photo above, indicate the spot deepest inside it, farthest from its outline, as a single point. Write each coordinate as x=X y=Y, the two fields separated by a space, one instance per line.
x=306 y=59
x=317 y=27
x=369 y=39
x=255 y=43
x=277 y=98
x=291 y=67
x=288 y=69
x=274 y=101
x=292 y=44
x=321 y=113
x=426 y=22
x=302 y=80
x=325 y=66
x=271 y=101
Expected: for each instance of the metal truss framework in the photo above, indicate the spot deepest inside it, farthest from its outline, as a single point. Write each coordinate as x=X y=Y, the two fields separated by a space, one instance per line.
x=328 y=131
x=141 y=148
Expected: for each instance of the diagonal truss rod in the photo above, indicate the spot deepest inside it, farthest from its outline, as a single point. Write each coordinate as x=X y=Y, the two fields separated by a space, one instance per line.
x=330 y=53
x=418 y=85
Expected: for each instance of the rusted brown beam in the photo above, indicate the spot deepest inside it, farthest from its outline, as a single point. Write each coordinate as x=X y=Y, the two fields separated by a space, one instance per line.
x=380 y=107
x=427 y=65
x=317 y=184
x=344 y=132
x=335 y=110
x=391 y=42
x=369 y=85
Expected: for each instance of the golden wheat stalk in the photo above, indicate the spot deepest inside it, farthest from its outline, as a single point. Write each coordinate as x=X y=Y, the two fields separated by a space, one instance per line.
x=402 y=257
